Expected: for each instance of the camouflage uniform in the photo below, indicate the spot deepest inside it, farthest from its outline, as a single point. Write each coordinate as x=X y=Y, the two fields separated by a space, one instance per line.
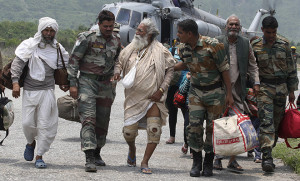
x=94 y=57
x=206 y=95
x=278 y=77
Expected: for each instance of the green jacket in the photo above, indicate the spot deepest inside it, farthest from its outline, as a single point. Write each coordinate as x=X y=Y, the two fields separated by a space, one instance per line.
x=242 y=52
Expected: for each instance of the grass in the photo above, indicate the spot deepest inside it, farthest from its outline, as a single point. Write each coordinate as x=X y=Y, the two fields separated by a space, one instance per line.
x=289 y=156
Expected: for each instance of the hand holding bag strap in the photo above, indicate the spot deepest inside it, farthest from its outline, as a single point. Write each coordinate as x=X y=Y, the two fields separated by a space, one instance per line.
x=237 y=112
x=292 y=106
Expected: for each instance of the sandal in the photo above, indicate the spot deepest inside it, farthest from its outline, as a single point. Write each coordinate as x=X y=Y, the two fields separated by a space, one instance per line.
x=29 y=152
x=234 y=167
x=146 y=170
x=218 y=164
x=171 y=140
x=39 y=163
x=131 y=162
x=257 y=160
x=184 y=149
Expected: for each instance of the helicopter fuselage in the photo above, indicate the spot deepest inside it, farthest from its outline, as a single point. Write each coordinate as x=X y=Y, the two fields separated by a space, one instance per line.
x=166 y=16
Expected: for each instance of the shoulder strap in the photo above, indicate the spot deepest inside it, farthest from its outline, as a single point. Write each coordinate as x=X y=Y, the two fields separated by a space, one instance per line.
x=7 y=132
x=288 y=145
x=173 y=50
x=59 y=52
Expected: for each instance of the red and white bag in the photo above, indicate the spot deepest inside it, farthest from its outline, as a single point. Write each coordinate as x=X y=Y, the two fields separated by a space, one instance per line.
x=234 y=135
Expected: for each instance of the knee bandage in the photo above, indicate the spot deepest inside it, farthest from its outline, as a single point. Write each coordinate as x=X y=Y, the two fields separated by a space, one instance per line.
x=130 y=132
x=154 y=129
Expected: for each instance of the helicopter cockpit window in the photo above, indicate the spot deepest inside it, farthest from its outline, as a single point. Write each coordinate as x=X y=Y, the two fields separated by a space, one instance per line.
x=123 y=16
x=135 y=19
x=114 y=10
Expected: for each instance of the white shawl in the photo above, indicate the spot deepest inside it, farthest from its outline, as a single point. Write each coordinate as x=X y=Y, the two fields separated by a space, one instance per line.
x=29 y=50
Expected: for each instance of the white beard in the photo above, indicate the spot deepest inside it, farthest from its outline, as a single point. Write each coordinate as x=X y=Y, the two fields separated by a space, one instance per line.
x=233 y=33
x=139 y=42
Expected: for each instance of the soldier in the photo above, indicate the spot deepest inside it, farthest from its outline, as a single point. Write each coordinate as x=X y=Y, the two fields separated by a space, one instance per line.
x=94 y=55
x=295 y=55
x=241 y=61
x=206 y=59
x=278 y=78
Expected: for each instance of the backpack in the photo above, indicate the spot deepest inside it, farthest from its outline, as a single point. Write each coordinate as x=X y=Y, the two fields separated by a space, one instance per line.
x=179 y=99
x=5 y=78
x=6 y=114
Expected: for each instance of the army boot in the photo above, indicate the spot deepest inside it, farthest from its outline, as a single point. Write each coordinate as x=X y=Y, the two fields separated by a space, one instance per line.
x=267 y=160
x=197 y=164
x=98 y=159
x=90 y=161
x=208 y=164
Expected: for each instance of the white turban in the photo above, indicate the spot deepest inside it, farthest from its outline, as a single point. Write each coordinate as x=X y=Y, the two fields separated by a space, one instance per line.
x=28 y=50
x=27 y=47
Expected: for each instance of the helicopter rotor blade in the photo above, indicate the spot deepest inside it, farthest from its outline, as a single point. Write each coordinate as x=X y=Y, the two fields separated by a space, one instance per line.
x=270 y=5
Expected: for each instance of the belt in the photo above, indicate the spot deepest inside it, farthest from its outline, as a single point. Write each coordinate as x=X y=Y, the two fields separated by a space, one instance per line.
x=275 y=81
x=209 y=87
x=96 y=77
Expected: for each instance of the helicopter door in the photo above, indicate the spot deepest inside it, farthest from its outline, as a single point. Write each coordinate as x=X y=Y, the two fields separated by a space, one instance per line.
x=165 y=31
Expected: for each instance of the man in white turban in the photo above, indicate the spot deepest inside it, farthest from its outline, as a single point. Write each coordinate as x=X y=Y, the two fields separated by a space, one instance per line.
x=39 y=109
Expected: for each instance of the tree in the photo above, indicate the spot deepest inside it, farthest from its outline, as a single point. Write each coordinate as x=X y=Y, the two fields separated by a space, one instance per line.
x=292 y=43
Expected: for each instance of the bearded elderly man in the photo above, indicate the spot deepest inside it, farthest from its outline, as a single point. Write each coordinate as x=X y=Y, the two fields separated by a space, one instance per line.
x=242 y=61
x=39 y=109
x=144 y=101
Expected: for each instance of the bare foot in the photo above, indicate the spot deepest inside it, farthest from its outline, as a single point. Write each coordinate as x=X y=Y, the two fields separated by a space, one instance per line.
x=171 y=140
x=131 y=160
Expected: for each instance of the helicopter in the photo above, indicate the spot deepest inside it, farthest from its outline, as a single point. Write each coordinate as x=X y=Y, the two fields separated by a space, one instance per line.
x=167 y=13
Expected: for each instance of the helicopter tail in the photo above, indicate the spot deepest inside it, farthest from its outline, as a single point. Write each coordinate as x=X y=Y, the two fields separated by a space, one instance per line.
x=267 y=4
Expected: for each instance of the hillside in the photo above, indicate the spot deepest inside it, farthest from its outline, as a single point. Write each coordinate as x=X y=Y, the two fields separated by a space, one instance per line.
x=68 y=13
x=72 y=13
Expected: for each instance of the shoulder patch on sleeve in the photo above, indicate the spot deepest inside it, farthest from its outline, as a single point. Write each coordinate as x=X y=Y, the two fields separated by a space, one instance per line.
x=212 y=41
x=283 y=40
x=256 y=41
x=83 y=36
